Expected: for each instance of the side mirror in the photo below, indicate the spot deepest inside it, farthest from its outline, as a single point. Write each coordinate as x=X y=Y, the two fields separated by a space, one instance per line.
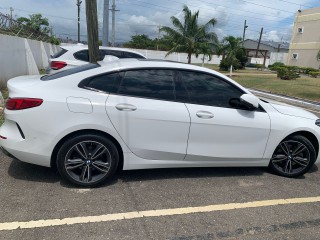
x=250 y=100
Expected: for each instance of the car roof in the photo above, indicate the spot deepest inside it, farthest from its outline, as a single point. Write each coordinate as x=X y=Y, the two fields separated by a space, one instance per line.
x=78 y=47
x=133 y=63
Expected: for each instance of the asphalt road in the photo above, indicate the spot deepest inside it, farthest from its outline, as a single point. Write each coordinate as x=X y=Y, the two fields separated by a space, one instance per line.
x=30 y=193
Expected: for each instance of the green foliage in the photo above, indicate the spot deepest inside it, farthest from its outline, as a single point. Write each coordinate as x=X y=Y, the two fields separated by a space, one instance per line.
x=189 y=36
x=314 y=74
x=233 y=53
x=37 y=22
x=140 y=41
x=275 y=66
x=226 y=63
x=54 y=40
x=286 y=73
x=144 y=42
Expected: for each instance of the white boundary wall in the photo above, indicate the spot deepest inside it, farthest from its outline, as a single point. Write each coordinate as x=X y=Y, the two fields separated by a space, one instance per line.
x=20 y=56
x=278 y=57
x=178 y=57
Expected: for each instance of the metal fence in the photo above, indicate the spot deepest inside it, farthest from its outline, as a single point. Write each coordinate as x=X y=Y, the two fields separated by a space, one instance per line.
x=11 y=27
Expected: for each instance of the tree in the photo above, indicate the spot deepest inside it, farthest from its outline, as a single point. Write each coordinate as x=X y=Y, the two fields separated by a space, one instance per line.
x=189 y=36
x=234 y=53
x=37 y=22
x=140 y=41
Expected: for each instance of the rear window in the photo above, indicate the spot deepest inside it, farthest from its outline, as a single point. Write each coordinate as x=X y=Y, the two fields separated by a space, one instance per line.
x=132 y=55
x=70 y=72
x=82 y=55
x=60 y=53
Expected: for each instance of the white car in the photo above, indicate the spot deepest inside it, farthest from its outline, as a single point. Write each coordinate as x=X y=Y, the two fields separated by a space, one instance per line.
x=138 y=114
x=71 y=56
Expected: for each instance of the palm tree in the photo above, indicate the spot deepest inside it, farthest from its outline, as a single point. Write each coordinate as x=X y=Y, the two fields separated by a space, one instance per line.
x=189 y=36
x=230 y=48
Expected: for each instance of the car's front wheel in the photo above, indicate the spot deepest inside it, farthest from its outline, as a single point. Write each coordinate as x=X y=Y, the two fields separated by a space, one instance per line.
x=293 y=157
x=87 y=160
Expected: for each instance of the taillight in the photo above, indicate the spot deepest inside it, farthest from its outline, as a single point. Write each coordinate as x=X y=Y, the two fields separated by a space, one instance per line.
x=56 y=65
x=22 y=103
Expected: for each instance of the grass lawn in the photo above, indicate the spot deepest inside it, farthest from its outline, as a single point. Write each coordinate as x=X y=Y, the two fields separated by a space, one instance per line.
x=304 y=87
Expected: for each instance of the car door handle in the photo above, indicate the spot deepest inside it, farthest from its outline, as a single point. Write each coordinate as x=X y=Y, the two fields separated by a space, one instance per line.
x=126 y=107
x=204 y=115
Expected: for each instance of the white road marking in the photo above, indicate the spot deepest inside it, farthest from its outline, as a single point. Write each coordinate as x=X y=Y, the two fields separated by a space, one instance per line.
x=154 y=213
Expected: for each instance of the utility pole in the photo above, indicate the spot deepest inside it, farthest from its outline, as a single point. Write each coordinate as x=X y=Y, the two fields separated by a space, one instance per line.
x=92 y=29
x=11 y=15
x=259 y=42
x=113 y=21
x=78 y=4
x=105 y=31
x=244 y=30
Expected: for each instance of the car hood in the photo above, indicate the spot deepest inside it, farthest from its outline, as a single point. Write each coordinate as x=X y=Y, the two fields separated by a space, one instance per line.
x=293 y=111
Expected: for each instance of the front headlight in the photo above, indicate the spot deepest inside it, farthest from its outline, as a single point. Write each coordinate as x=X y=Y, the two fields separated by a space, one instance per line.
x=318 y=122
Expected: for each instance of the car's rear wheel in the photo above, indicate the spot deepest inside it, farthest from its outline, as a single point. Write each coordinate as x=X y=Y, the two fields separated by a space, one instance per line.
x=87 y=160
x=293 y=157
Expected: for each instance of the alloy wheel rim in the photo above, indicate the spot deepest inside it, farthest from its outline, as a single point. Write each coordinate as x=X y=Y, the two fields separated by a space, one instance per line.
x=291 y=157
x=88 y=161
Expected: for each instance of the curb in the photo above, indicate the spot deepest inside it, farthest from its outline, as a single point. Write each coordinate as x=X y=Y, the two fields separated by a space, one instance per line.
x=295 y=100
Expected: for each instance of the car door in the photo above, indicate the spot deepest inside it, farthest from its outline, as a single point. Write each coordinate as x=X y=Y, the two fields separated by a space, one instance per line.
x=147 y=117
x=218 y=130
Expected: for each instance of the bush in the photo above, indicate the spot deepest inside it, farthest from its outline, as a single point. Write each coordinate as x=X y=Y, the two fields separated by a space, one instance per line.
x=275 y=66
x=286 y=73
x=225 y=64
x=314 y=74
x=309 y=70
x=260 y=66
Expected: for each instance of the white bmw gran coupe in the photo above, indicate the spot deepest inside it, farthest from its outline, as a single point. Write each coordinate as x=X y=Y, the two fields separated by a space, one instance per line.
x=137 y=114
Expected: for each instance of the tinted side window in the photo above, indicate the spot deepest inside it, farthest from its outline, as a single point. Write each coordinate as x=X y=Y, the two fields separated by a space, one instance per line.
x=60 y=53
x=106 y=83
x=205 y=89
x=117 y=54
x=82 y=55
x=132 y=55
x=156 y=84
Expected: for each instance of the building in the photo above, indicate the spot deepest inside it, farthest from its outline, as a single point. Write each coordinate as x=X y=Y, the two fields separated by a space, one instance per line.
x=305 y=42
x=268 y=52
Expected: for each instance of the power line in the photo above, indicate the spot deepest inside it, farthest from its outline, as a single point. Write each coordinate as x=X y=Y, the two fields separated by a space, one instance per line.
x=296 y=3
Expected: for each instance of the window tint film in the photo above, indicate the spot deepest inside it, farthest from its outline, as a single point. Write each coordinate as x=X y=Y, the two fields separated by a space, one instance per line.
x=69 y=72
x=60 y=53
x=82 y=55
x=181 y=92
x=157 y=84
x=205 y=89
x=117 y=54
x=106 y=83
x=132 y=55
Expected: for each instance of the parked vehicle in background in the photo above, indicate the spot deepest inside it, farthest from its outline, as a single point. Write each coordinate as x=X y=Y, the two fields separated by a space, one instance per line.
x=138 y=114
x=71 y=56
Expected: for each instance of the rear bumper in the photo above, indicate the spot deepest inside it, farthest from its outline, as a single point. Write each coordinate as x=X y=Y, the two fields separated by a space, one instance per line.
x=27 y=150
x=5 y=152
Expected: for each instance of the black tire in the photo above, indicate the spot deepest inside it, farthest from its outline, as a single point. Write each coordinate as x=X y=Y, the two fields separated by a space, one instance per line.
x=87 y=160
x=293 y=157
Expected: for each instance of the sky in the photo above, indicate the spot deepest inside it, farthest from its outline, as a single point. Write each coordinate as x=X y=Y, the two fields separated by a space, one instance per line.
x=144 y=17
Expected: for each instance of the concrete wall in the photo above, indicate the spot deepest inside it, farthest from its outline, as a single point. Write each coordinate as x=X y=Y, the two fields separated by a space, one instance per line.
x=20 y=56
x=178 y=57
x=278 y=57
